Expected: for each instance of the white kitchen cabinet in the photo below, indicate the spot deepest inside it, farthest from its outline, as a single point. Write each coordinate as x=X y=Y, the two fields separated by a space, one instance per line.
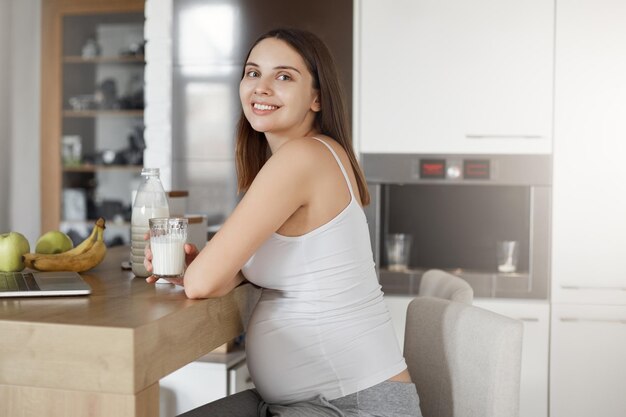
x=589 y=217
x=587 y=361
x=210 y=378
x=445 y=76
x=535 y=349
x=587 y=365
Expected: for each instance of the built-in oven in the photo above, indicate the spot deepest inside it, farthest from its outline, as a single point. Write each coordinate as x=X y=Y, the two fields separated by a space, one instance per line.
x=458 y=211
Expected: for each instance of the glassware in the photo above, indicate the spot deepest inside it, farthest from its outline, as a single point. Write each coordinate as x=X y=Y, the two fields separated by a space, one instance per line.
x=507 y=255
x=398 y=249
x=91 y=49
x=167 y=242
x=150 y=202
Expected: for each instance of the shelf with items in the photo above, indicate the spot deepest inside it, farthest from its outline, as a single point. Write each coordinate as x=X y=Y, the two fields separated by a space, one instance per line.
x=93 y=117
x=96 y=168
x=105 y=113
x=78 y=59
x=485 y=284
x=91 y=222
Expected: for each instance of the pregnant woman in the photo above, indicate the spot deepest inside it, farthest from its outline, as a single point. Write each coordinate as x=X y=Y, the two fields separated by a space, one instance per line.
x=320 y=341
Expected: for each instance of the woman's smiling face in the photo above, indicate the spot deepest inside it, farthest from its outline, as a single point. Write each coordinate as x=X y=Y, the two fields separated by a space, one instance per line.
x=276 y=91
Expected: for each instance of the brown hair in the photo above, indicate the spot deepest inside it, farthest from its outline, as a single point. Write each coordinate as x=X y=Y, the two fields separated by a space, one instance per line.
x=252 y=150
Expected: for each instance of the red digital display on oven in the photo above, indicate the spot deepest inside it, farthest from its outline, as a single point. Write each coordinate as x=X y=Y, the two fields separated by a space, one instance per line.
x=476 y=169
x=433 y=168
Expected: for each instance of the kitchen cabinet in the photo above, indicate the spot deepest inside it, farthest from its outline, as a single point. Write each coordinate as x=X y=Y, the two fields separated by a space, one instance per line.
x=92 y=114
x=442 y=76
x=589 y=153
x=210 y=378
x=587 y=366
x=535 y=349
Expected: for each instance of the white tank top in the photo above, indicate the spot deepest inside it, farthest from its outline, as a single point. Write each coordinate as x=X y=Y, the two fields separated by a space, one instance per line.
x=321 y=326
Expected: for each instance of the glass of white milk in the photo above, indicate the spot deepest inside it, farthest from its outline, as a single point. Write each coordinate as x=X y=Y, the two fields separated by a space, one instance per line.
x=167 y=240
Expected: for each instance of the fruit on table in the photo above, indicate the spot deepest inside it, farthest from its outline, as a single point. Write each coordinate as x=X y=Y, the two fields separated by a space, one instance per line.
x=83 y=257
x=53 y=242
x=12 y=246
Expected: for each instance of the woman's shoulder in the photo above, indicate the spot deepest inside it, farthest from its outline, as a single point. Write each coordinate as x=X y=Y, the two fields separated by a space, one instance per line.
x=309 y=147
x=299 y=161
x=303 y=156
x=299 y=156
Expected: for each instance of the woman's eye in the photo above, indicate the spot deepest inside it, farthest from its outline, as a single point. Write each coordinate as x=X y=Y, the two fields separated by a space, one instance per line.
x=252 y=73
x=284 y=77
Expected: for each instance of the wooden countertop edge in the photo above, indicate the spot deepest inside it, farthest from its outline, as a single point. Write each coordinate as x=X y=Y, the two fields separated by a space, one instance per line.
x=165 y=341
x=119 y=360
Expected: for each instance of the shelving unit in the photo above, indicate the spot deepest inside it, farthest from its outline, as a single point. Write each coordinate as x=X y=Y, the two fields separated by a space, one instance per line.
x=103 y=113
x=92 y=113
x=139 y=59
x=96 y=168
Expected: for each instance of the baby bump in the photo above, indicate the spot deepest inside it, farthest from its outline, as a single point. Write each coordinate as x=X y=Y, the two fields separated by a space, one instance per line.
x=285 y=354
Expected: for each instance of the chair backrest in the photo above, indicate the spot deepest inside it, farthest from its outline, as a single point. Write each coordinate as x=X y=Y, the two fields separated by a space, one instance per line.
x=464 y=361
x=441 y=284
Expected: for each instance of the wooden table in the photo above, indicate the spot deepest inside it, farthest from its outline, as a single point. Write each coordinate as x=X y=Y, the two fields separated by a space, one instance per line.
x=103 y=354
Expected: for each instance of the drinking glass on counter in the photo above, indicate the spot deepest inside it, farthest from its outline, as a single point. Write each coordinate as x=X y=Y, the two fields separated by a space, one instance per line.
x=507 y=255
x=398 y=249
x=167 y=241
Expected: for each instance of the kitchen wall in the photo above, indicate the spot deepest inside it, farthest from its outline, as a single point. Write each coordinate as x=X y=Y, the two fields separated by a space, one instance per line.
x=5 y=49
x=19 y=117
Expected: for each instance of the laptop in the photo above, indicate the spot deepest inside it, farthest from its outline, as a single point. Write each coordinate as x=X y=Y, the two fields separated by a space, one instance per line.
x=42 y=284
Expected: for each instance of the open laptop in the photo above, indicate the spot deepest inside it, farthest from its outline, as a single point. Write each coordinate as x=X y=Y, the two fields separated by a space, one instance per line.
x=42 y=284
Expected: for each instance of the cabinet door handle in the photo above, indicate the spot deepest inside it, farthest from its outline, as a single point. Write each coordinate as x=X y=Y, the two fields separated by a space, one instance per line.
x=529 y=319
x=525 y=137
x=578 y=320
x=584 y=287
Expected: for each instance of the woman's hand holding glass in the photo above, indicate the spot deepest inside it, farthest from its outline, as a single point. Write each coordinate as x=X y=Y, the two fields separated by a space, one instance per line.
x=191 y=251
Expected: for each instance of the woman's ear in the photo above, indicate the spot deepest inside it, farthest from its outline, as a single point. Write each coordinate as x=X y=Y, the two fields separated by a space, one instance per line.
x=317 y=104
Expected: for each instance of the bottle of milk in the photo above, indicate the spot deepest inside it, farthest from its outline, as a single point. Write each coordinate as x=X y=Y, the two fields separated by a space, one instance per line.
x=150 y=202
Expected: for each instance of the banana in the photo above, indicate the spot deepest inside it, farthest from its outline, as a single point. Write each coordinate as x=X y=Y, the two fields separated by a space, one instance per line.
x=87 y=243
x=92 y=252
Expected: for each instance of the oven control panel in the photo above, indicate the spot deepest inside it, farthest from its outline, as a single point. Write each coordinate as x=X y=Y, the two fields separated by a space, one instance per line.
x=455 y=169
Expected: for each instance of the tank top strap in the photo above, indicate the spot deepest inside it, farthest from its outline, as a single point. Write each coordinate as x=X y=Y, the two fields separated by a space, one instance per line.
x=343 y=170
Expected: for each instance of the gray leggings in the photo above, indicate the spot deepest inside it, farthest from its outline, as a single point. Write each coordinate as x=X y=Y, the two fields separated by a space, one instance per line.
x=387 y=399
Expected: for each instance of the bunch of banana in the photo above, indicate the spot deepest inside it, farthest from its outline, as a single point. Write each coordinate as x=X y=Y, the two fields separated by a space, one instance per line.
x=86 y=255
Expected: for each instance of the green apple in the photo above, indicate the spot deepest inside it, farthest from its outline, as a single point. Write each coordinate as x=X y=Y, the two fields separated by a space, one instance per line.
x=12 y=246
x=53 y=242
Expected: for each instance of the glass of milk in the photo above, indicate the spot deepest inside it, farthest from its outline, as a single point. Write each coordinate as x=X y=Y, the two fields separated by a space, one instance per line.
x=167 y=240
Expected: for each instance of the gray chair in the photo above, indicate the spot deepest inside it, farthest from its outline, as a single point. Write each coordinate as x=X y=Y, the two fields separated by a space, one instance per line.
x=464 y=361
x=441 y=284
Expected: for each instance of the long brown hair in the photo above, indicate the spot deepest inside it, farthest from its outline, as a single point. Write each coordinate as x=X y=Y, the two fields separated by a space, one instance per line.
x=252 y=150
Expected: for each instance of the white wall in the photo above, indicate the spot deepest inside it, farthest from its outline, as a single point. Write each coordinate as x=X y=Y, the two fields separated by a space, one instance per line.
x=158 y=87
x=23 y=81
x=5 y=127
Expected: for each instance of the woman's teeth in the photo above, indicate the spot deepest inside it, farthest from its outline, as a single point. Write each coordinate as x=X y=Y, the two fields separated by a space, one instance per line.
x=264 y=107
